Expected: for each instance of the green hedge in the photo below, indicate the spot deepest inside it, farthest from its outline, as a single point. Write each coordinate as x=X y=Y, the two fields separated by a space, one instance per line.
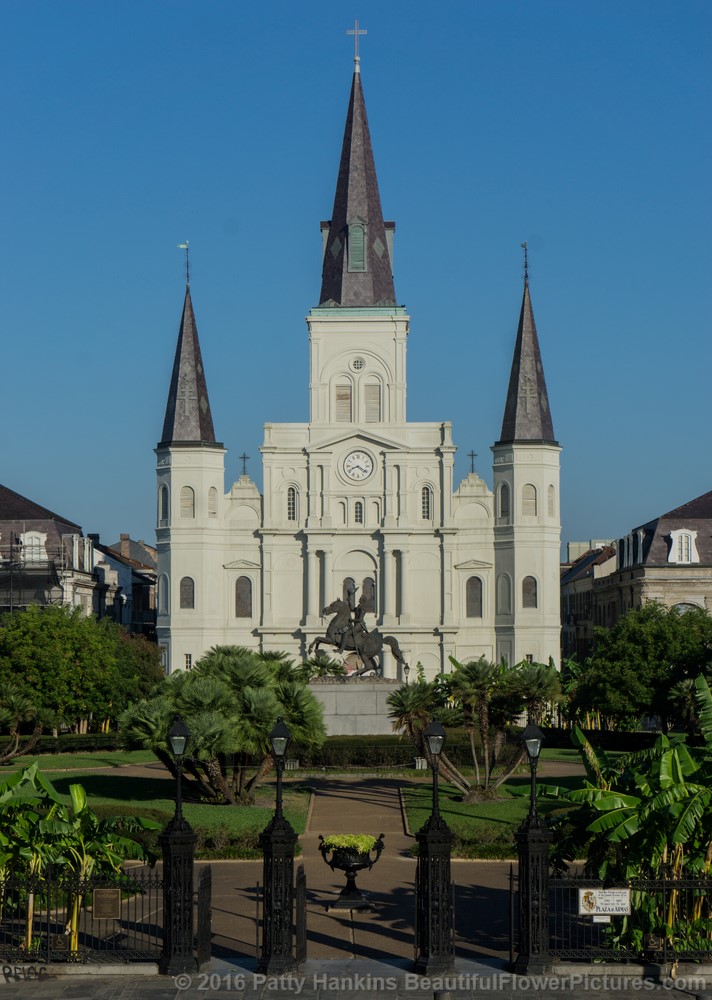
x=78 y=743
x=370 y=752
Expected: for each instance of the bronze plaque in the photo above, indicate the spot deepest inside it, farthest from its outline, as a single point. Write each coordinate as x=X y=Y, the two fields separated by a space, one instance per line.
x=106 y=904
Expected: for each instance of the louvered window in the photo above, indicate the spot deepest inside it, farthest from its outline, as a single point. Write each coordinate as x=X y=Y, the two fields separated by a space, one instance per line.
x=357 y=248
x=163 y=594
x=552 y=502
x=372 y=401
x=187 y=502
x=163 y=507
x=473 y=597
x=529 y=592
x=243 y=597
x=212 y=502
x=343 y=402
x=358 y=512
x=504 y=502
x=291 y=504
x=368 y=595
x=529 y=500
x=187 y=593
x=426 y=503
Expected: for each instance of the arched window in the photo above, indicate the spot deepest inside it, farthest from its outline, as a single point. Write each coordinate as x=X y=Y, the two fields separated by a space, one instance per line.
x=243 y=597
x=529 y=592
x=187 y=502
x=292 y=504
x=32 y=549
x=368 y=594
x=163 y=605
x=529 y=500
x=684 y=547
x=163 y=498
x=348 y=590
x=473 y=597
x=358 y=512
x=504 y=501
x=212 y=502
x=372 y=402
x=343 y=402
x=357 y=248
x=187 y=593
x=426 y=503
x=504 y=595
x=551 y=506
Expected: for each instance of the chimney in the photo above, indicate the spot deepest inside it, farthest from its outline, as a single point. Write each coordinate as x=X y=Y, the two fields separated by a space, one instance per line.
x=125 y=545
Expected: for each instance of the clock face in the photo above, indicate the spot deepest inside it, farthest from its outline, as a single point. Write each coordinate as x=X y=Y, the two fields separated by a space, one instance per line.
x=358 y=465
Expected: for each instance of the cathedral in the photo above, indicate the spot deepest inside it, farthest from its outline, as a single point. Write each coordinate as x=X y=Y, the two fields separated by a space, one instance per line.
x=359 y=498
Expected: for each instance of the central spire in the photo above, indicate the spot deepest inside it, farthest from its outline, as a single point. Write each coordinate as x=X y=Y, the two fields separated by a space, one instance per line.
x=357 y=267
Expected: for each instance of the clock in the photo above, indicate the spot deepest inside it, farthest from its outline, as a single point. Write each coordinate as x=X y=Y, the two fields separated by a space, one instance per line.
x=358 y=465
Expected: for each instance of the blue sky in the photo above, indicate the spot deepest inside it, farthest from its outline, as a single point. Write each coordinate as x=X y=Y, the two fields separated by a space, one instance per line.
x=580 y=127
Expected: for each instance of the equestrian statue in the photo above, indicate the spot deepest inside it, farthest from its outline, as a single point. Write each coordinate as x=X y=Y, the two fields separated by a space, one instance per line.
x=348 y=633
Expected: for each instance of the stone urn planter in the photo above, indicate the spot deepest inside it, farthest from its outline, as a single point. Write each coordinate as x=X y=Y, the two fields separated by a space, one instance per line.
x=350 y=853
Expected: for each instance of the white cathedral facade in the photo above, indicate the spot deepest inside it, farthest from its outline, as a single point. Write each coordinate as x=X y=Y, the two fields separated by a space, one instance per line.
x=359 y=496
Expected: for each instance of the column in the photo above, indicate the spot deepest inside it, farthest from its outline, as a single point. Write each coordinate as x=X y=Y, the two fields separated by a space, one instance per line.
x=312 y=587
x=327 y=578
x=389 y=590
x=404 y=593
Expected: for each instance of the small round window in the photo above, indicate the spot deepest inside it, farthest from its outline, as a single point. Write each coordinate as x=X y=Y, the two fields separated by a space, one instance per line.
x=357 y=364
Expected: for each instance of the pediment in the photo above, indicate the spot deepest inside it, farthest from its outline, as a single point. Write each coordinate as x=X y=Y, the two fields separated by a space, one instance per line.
x=242 y=564
x=358 y=438
x=473 y=564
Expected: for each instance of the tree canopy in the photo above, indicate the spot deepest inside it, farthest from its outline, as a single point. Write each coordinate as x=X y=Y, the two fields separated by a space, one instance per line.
x=73 y=668
x=635 y=664
x=230 y=702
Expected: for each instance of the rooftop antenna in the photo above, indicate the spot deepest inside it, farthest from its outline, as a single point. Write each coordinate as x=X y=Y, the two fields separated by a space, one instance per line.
x=184 y=246
x=356 y=31
x=526 y=263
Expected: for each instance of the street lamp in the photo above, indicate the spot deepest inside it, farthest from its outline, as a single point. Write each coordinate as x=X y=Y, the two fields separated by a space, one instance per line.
x=434 y=910
x=406 y=672
x=277 y=841
x=178 y=843
x=533 y=842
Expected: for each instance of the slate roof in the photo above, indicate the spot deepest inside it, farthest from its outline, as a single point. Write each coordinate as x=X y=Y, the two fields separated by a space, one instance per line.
x=15 y=507
x=696 y=515
x=188 y=417
x=582 y=567
x=357 y=200
x=527 y=417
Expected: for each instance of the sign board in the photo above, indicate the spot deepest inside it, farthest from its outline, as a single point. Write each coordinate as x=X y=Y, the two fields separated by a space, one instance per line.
x=604 y=902
x=106 y=904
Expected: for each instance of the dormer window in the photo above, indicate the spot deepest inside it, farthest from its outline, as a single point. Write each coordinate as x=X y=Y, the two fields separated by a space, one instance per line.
x=683 y=549
x=357 y=247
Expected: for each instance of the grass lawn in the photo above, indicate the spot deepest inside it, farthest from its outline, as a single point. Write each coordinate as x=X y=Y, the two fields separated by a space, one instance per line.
x=483 y=829
x=80 y=761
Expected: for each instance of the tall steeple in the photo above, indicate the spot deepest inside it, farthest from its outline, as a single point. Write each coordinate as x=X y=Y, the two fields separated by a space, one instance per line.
x=357 y=250
x=188 y=418
x=527 y=417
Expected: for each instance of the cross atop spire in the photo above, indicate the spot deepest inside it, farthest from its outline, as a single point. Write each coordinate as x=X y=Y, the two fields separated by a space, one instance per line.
x=526 y=262
x=184 y=246
x=356 y=31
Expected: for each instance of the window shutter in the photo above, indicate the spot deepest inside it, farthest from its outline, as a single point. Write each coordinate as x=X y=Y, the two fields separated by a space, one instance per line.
x=529 y=595
x=529 y=500
x=212 y=502
x=357 y=249
x=473 y=598
x=187 y=593
x=343 y=402
x=372 y=400
x=243 y=597
x=187 y=502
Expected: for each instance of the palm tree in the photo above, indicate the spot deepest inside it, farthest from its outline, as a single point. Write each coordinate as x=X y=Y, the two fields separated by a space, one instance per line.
x=538 y=685
x=474 y=685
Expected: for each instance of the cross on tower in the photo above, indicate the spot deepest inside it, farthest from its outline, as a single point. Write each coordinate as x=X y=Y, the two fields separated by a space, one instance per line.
x=526 y=263
x=356 y=31
x=243 y=458
x=472 y=456
x=184 y=246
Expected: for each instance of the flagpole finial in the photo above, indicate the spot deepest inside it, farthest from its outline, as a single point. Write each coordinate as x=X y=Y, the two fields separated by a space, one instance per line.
x=184 y=246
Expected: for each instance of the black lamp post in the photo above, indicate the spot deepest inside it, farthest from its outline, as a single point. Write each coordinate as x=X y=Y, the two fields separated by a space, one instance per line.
x=277 y=841
x=434 y=916
x=533 y=842
x=178 y=844
x=406 y=672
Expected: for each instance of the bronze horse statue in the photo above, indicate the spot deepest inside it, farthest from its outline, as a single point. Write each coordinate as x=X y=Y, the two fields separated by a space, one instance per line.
x=346 y=634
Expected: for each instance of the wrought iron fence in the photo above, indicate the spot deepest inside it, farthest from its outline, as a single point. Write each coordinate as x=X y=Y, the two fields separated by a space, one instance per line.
x=670 y=918
x=56 y=916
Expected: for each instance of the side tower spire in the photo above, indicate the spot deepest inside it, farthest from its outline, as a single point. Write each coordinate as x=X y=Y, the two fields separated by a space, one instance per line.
x=527 y=416
x=357 y=267
x=188 y=417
